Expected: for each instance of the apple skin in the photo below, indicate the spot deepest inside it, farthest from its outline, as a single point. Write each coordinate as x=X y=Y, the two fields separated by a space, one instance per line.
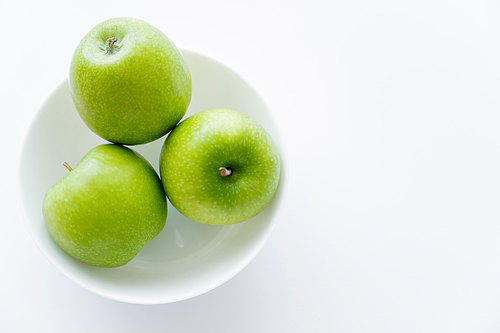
x=138 y=90
x=201 y=144
x=107 y=208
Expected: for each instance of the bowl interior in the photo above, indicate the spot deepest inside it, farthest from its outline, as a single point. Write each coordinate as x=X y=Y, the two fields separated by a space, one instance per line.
x=186 y=258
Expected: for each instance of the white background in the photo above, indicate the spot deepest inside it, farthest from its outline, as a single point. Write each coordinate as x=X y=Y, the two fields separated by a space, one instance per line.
x=391 y=114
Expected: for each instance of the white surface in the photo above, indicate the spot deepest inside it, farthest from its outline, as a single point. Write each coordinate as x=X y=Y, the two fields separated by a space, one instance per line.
x=187 y=258
x=390 y=110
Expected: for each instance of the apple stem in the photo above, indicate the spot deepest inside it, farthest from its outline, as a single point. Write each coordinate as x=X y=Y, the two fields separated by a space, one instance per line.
x=224 y=172
x=67 y=166
x=109 y=43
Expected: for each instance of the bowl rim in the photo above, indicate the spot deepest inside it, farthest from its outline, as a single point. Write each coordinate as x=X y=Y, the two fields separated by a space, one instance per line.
x=224 y=277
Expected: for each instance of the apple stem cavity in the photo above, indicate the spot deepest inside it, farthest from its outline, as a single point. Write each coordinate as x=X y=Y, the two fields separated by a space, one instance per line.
x=67 y=166
x=109 y=44
x=224 y=172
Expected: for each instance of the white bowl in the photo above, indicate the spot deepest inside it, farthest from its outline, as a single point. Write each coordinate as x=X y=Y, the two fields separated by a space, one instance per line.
x=187 y=258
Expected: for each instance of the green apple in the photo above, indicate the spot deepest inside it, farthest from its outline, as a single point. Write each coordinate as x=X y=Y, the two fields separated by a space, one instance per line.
x=129 y=82
x=219 y=167
x=106 y=208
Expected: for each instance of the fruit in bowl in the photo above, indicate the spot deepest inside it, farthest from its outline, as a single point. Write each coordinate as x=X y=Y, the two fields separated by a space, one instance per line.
x=187 y=258
x=219 y=167
x=107 y=208
x=129 y=82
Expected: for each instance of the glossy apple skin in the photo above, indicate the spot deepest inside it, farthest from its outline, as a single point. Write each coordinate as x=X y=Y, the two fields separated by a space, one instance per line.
x=107 y=208
x=195 y=150
x=137 y=91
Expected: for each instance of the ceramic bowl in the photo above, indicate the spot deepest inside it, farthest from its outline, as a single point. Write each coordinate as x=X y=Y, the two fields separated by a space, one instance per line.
x=187 y=258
